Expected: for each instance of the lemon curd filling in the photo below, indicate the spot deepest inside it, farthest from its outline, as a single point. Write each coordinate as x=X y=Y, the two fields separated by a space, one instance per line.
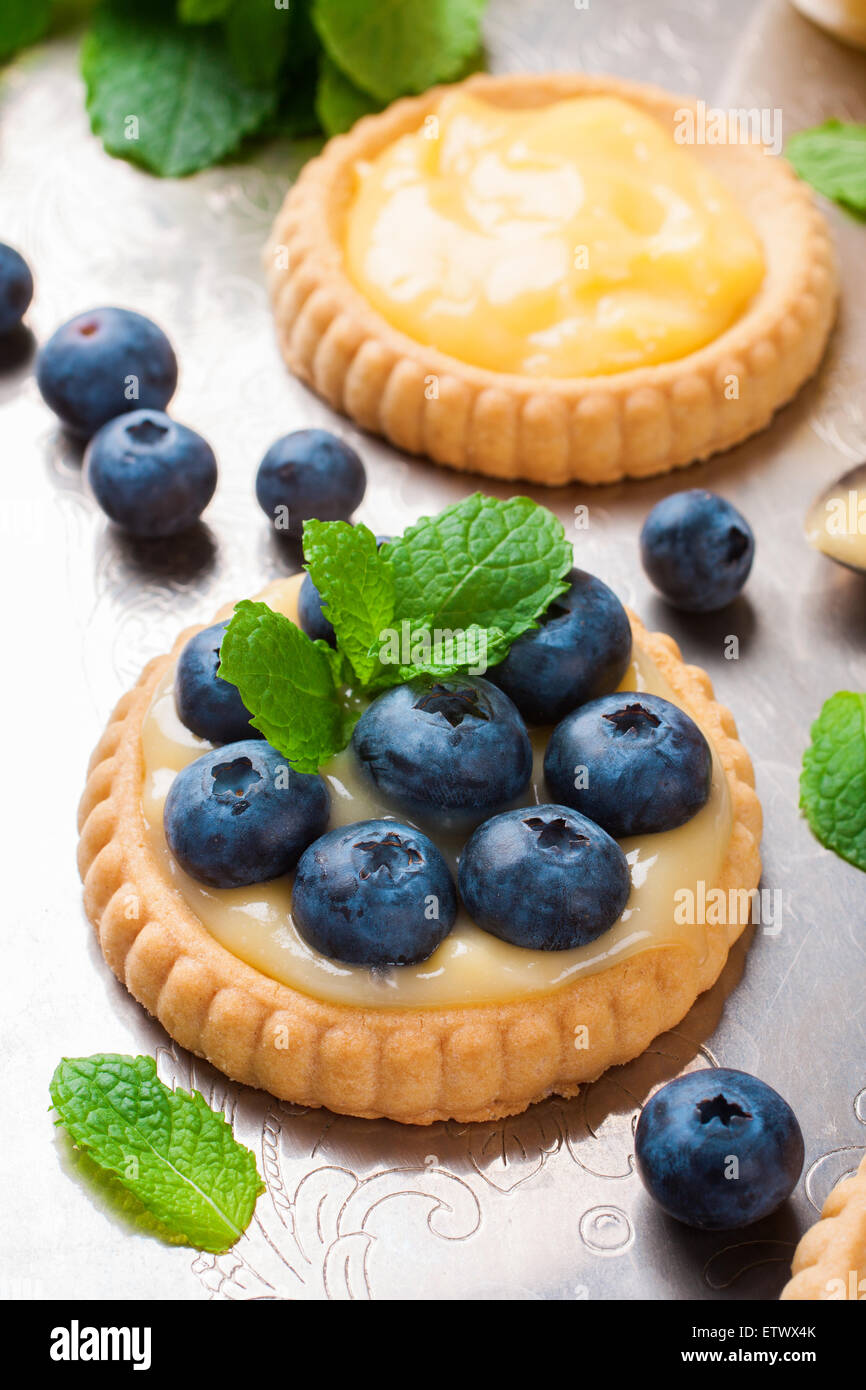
x=572 y=239
x=470 y=966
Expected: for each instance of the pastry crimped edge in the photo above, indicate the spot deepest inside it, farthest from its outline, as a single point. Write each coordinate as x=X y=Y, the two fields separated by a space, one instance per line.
x=417 y=1066
x=550 y=431
x=834 y=1248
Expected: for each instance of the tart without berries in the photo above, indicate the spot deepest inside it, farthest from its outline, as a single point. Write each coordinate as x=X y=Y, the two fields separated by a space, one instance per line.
x=548 y=276
x=388 y=874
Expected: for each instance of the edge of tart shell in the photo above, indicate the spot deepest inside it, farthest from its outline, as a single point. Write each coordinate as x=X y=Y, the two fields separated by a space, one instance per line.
x=417 y=1066
x=834 y=1247
x=550 y=431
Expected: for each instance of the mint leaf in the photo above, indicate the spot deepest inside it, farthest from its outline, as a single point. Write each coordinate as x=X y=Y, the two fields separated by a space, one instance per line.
x=356 y=586
x=833 y=780
x=832 y=158
x=176 y=1156
x=258 y=37
x=497 y=564
x=201 y=11
x=402 y=46
x=428 y=652
x=179 y=84
x=287 y=682
x=22 y=22
x=339 y=103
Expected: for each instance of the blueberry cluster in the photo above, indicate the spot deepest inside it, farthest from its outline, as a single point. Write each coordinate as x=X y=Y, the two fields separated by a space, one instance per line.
x=452 y=756
x=109 y=375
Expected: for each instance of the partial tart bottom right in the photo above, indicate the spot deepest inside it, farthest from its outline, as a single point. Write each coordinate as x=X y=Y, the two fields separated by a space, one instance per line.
x=829 y=1263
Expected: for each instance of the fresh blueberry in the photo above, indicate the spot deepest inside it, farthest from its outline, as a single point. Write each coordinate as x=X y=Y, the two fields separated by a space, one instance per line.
x=580 y=650
x=149 y=474
x=632 y=762
x=208 y=705
x=374 y=893
x=451 y=750
x=543 y=877
x=309 y=473
x=718 y=1149
x=310 y=615
x=105 y=363
x=240 y=814
x=697 y=549
x=16 y=288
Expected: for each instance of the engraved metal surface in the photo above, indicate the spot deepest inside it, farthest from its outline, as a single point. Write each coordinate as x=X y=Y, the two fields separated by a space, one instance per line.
x=545 y=1205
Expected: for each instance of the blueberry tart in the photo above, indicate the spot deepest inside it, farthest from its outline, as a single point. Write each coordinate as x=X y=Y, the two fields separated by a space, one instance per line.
x=455 y=908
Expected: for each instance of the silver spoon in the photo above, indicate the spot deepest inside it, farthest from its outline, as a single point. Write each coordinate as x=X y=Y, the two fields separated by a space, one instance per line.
x=836 y=520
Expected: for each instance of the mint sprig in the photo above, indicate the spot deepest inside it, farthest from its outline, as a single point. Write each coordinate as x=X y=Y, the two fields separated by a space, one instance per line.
x=833 y=780
x=401 y=46
x=289 y=684
x=832 y=158
x=200 y=76
x=167 y=95
x=357 y=588
x=497 y=564
x=22 y=22
x=429 y=653
x=450 y=595
x=175 y=1155
x=339 y=102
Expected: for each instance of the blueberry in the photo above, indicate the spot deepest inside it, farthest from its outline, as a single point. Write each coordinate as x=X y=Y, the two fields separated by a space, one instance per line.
x=240 y=814
x=374 y=893
x=208 y=705
x=718 y=1149
x=632 y=762
x=149 y=474
x=307 y=474
x=310 y=615
x=697 y=549
x=16 y=288
x=451 y=750
x=543 y=877
x=581 y=649
x=105 y=363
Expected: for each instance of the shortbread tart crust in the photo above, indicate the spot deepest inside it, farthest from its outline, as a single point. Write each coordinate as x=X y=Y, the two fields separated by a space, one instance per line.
x=550 y=431
x=413 y=1065
x=830 y=1261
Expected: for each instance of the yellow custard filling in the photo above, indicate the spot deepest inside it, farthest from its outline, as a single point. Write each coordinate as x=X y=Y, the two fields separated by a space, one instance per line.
x=471 y=966
x=566 y=240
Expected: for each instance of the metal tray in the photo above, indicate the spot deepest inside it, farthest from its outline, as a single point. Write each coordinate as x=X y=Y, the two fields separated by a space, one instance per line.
x=546 y=1205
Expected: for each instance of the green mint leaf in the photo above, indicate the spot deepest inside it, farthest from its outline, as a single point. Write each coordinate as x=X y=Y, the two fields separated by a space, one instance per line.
x=287 y=682
x=176 y=1156
x=258 y=37
x=201 y=11
x=166 y=96
x=402 y=46
x=339 y=103
x=22 y=22
x=427 y=652
x=832 y=158
x=497 y=564
x=356 y=586
x=833 y=780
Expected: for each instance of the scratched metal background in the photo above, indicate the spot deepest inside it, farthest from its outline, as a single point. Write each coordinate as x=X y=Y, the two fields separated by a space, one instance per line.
x=546 y=1205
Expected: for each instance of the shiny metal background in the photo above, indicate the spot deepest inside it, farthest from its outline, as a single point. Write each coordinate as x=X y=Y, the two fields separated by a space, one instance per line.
x=546 y=1205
